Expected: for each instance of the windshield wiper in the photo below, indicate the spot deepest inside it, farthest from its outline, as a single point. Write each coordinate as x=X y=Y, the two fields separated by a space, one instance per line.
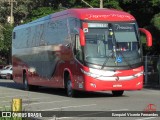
x=106 y=60
x=125 y=60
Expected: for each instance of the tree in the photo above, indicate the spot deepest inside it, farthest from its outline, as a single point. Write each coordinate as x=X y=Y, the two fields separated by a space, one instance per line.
x=112 y=4
x=106 y=4
x=3 y=11
x=22 y=10
x=144 y=11
x=5 y=43
x=39 y=12
x=1 y=32
x=156 y=21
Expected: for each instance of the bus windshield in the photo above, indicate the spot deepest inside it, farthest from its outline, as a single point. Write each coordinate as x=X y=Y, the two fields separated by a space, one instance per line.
x=112 y=44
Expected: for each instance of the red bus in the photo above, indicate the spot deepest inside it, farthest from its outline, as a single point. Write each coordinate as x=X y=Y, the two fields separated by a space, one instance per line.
x=80 y=49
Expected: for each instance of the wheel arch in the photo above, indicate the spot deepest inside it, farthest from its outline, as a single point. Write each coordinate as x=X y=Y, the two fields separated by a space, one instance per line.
x=67 y=73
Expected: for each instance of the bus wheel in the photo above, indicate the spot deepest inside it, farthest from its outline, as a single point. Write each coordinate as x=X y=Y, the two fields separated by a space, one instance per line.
x=70 y=91
x=118 y=93
x=25 y=83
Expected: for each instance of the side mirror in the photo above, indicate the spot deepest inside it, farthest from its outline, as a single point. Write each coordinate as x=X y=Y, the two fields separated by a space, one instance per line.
x=148 y=36
x=82 y=37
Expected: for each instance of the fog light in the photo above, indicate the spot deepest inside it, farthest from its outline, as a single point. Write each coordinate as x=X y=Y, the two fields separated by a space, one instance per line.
x=138 y=83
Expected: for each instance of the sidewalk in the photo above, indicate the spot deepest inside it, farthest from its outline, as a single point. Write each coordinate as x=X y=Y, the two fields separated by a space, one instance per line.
x=152 y=86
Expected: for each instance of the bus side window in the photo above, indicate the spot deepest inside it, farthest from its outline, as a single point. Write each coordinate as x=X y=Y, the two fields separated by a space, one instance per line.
x=14 y=35
x=78 y=49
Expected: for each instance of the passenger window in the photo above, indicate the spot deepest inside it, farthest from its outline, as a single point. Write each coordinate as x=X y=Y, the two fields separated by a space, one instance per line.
x=14 y=35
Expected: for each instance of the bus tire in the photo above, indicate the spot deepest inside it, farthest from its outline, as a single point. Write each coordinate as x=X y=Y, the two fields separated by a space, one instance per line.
x=118 y=93
x=70 y=90
x=26 y=86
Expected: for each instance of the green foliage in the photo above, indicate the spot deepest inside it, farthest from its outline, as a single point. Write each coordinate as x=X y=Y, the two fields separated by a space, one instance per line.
x=40 y=12
x=155 y=2
x=156 y=21
x=4 y=11
x=5 y=43
x=2 y=62
x=143 y=39
x=144 y=44
x=106 y=4
x=112 y=4
x=22 y=9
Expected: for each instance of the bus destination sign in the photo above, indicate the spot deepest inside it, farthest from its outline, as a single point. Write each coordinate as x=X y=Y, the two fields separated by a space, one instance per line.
x=99 y=25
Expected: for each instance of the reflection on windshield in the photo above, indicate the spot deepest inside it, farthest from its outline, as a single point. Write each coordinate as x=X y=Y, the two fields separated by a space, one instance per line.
x=96 y=45
x=127 y=43
x=100 y=43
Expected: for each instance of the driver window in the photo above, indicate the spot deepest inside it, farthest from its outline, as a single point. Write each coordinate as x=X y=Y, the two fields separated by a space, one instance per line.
x=78 y=49
x=101 y=45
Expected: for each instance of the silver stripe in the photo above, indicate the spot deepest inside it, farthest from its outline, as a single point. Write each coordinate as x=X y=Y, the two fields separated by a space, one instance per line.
x=120 y=78
x=115 y=78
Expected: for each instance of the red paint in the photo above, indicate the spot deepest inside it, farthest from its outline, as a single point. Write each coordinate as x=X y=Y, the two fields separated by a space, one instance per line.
x=149 y=36
x=63 y=54
x=150 y=108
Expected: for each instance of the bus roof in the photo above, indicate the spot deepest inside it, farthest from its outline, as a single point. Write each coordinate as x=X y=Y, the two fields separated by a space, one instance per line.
x=96 y=14
x=101 y=14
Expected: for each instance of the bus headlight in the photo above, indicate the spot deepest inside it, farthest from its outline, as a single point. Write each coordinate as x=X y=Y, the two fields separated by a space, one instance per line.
x=90 y=74
x=98 y=73
x=138 y=74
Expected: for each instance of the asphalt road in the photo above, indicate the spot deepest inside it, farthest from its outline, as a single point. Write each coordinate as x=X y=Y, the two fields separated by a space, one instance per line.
x=48 y=99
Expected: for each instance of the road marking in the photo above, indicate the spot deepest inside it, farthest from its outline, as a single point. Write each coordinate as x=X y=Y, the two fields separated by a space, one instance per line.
x=44 y=102
x=70 y=107
x=146 y=118
x=59 y=118
x=27 y=99
x=39 y=103
x=63 y=118
x=14 y=96
x=120 y=109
